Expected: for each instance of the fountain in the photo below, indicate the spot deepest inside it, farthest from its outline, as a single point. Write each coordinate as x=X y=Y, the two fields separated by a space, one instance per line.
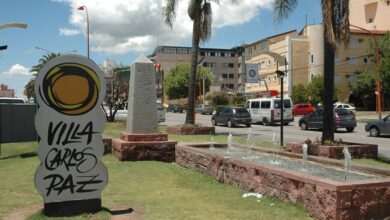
x=274 y=150
x=212 y=143
x=250 y=144
x=229 y=143
x=304 y=156
x=347 y=162
x=321 y=187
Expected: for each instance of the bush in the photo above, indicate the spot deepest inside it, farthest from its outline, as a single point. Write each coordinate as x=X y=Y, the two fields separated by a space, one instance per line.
x=220 y=99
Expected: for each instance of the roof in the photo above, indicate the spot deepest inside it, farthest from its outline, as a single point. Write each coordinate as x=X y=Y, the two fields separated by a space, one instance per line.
x=270 y=37
x=160 y=48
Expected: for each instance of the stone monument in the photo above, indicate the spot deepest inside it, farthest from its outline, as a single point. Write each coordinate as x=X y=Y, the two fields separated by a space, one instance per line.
x=142 y=139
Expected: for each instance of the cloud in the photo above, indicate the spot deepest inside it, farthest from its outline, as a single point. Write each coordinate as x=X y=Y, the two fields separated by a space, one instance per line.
x=68 y=32
x=17 y=70
x=121 y=26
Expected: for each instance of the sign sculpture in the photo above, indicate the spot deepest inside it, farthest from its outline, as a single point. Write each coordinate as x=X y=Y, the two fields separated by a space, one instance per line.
x=69 y=90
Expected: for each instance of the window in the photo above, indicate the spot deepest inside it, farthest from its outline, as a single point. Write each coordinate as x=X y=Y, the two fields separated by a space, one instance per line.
x=212 y=54
x=352 y=61
x=365 y=60
x=266 y=104
x=169 y=50
x=263 y=47
x=231 y=75
x=337 y=60
x=232 y=55
x=269 y=62
x=224 y=75
x=202 y=53
x=353 y=42
x=337 y=78
x=222 y=54
x=228 y=65
x=262 y=64
x=249 y=51
x=311 y=58
x=255 y=105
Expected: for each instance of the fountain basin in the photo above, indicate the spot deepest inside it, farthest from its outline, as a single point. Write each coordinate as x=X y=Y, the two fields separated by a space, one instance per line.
x=323 y=197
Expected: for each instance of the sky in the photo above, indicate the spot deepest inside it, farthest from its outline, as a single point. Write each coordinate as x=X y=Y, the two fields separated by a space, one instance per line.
x=122 y=30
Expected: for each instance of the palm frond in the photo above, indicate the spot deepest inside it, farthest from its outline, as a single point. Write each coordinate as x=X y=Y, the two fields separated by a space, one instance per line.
x=282 y=9
x=206 y=21
x=169 y=11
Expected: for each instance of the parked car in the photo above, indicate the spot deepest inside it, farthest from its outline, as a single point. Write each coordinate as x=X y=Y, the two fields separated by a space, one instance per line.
x=345 y=106
x=343 y=118
x=378 y=127
x=204 y=109
x=267 y=110
x=11 y=100
x=175 y=108
x=302 y=109
x=232 y=116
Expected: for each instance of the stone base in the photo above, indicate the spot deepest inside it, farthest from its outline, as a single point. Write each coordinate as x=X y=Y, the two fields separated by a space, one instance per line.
x=190 y=130
x=71 y=208
x=136 y=147
x=107 y=142
x=336 y=152
x=324 y=198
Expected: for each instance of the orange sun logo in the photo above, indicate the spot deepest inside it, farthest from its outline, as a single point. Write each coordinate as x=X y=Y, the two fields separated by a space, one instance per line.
x=70 y=89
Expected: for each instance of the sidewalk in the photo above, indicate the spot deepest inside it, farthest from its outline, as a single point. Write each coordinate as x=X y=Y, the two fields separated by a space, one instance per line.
x=364 y=116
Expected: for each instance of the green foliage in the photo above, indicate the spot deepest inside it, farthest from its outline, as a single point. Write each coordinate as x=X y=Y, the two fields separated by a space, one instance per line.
x=177 y=81
x=363 y=90
x=220 y=99
x=239 y=100
x=299 y=94
x=315 y=90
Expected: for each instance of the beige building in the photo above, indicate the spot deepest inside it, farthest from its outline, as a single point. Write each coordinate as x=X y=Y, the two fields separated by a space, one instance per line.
x=370 y=14
x=225 y=64
x=304 y=53
x=6 y=92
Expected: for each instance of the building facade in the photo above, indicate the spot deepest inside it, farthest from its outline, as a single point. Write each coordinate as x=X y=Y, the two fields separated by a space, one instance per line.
x=370 y=14
x=225 y=65
x=6 y=92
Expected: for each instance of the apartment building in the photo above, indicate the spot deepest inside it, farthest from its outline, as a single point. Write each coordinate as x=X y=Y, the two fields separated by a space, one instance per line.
x=370 y=14
x=304 y=52
x=6 y=92
x=225 y=65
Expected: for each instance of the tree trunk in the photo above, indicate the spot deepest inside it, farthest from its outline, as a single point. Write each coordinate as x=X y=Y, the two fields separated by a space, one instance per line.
x=328 y=123
x=190 y=115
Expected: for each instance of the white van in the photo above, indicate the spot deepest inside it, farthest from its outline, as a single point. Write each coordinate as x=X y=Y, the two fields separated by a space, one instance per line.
x=11 y=100
x=267 y=110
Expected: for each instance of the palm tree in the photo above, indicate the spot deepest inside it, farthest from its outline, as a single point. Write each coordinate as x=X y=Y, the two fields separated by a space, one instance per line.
x=201 y=15
x=29 y=87
x=335 y=15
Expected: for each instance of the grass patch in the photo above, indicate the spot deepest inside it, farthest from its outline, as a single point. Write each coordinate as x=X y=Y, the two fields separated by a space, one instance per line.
x=164 y=190
x=380 y=162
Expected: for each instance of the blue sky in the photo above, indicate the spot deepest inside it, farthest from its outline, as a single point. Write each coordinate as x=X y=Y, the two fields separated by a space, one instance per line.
x=121 y=30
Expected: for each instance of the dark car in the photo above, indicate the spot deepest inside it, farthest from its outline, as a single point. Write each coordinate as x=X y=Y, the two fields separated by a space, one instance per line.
x=232 y=116
x=378 y=126
x=302 y=109
x=175 y=108
x=204 y=109
x=343 y=118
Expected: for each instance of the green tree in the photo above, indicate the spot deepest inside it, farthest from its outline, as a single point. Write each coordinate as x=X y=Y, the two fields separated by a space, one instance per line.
x=29 y=87
x=177 y=82
x=384 y=44
x=316 y=92
x=299 y=94
x=335 y=18
x=201 y=14
x=364 y=89
x=117 y=91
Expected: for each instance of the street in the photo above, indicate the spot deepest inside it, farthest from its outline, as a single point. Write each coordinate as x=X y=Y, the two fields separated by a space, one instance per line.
x=292 y=132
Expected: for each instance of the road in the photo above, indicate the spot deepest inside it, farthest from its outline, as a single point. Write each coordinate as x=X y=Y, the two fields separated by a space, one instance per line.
x=292 y=132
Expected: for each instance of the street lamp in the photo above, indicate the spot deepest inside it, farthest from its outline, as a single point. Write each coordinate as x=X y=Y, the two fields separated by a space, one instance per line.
x=378 y=81
x=82 y=8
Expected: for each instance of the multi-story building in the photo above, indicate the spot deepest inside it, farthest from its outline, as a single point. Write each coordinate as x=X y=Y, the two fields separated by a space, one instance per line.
x=304 y=52
x=370 y=14
x=6 y=92
x=225 y=64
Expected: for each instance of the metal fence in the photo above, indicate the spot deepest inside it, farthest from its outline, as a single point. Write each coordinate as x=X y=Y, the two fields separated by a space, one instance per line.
x=17 y=123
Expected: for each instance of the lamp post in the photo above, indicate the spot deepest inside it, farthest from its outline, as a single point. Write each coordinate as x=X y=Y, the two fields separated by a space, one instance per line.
x=281 y=76
x=378 y=81
x=82 y=8
x=4 y=26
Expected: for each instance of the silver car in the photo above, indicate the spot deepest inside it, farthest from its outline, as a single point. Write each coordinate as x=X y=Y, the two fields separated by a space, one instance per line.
x=378 y=127
x=204 y=109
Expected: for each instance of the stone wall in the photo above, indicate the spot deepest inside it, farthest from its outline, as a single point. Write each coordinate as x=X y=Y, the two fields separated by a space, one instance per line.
x=336 y=152
x=324 y=198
